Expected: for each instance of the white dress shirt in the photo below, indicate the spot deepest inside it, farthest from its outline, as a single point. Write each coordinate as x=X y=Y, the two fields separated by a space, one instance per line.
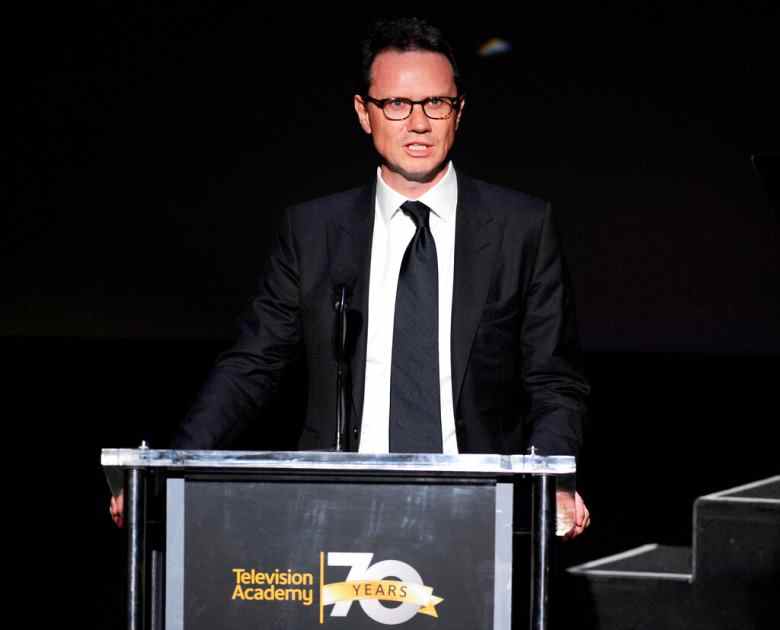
x=393 y=231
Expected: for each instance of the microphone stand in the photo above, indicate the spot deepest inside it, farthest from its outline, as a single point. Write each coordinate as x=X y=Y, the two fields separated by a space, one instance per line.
x=341 y=366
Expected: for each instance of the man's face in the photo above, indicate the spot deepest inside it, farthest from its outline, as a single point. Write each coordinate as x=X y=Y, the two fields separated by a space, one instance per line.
x=413 y=150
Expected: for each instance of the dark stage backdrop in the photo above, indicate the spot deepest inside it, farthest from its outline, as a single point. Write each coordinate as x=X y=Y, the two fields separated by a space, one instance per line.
x=153 y=148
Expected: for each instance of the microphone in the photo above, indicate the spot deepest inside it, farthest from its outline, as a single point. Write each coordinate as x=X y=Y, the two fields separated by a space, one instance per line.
x=341 y=307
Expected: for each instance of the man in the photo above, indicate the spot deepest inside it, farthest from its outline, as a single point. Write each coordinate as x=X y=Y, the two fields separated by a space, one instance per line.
x=463 y=336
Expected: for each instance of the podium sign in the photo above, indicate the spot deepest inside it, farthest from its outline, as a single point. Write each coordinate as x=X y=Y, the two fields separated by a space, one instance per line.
x=342 y=555
x=335 y=540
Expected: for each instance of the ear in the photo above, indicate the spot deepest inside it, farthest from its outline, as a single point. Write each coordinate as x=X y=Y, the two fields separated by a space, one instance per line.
x=362 y=113
x=460 y=111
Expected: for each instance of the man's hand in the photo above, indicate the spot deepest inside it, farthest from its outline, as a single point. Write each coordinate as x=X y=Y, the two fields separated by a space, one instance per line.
x=565 y=506
x=117 y=509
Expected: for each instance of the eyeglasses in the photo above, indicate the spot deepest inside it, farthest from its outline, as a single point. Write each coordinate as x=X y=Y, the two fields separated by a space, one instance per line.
x=436 y=107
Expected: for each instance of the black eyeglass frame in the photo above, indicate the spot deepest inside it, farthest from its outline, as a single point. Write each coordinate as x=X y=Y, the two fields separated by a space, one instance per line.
x=454 y=102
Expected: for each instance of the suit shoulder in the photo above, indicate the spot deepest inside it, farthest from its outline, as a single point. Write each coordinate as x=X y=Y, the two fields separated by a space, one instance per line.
x=326 y=207
x=507 y=201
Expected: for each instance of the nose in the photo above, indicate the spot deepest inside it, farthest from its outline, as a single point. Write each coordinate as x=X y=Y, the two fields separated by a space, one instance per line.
x=418 y=121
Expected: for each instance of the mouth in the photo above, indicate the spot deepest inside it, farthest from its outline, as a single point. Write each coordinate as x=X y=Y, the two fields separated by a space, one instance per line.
x=418 y=149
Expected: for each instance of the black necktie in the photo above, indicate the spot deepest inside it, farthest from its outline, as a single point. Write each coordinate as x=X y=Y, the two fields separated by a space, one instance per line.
x=415 y=414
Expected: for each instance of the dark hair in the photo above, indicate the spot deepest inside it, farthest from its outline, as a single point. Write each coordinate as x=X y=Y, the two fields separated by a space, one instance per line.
x=403 y=35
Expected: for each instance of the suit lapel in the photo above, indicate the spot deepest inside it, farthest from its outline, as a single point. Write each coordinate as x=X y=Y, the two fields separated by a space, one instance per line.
x=349 y=250
x=476 y=240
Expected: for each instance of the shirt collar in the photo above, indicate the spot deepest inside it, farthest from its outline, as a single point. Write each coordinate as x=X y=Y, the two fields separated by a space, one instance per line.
x=441 y=199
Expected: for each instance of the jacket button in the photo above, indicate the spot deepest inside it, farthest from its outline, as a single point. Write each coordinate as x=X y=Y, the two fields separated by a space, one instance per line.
x=355 y=432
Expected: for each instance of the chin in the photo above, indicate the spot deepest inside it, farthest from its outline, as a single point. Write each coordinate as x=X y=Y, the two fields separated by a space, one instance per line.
x=421 y=176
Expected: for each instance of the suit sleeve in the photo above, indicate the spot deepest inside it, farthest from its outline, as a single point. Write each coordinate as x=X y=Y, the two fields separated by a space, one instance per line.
x=246 y=377
x=552 y=364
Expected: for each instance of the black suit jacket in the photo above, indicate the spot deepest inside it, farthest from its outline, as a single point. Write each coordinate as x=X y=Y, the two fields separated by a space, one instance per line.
x=516 y=374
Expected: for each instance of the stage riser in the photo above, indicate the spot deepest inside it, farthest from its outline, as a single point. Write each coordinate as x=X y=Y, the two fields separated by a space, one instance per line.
x=738 y=541
x=734 y=578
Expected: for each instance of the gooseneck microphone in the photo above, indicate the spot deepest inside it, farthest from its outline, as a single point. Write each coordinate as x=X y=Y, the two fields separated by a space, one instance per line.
x=341 y=307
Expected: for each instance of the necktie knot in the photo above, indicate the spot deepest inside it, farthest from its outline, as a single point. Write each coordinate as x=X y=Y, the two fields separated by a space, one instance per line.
x=418 y=212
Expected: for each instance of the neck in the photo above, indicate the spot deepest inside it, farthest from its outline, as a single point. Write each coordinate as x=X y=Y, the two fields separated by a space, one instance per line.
x=409 y=188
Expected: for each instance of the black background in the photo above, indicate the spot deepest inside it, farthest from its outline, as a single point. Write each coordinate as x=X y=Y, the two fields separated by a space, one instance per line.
x=153 y=149
x=153 y=146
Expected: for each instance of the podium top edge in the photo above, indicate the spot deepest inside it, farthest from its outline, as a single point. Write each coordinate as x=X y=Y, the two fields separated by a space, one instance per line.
x=481 y=464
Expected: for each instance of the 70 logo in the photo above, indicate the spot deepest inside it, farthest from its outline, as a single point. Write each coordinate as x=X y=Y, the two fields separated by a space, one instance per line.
x=370 y=584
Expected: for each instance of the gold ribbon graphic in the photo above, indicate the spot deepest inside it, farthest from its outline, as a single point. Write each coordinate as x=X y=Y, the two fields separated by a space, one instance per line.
x=384 y=590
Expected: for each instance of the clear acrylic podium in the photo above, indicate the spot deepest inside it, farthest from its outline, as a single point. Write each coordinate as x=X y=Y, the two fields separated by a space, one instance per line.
x=309 y=539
